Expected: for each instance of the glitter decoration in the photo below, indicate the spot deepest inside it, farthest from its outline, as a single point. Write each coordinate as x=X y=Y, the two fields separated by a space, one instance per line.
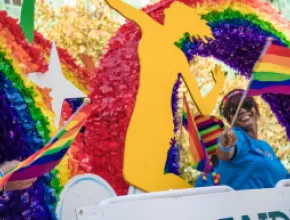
x=78 y=29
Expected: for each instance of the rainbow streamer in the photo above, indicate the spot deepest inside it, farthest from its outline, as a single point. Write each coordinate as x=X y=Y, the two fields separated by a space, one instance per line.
x=196 y=145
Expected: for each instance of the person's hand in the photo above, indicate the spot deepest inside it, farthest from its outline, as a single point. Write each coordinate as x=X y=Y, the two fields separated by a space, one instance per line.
x=228 y=138
x=19 y=185
x=218 y=75
x=6 y=167
x=15 y=185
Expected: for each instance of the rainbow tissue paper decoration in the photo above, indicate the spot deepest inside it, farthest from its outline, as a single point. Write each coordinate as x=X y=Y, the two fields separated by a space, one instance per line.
x=26 y=117
x=47 y=158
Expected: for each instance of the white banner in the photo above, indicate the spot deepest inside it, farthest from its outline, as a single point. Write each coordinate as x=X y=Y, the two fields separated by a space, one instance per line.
x=213 y=203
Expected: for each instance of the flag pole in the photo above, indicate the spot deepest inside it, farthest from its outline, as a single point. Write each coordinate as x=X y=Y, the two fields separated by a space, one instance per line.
x=268 y=43
x=240 y=104
x=86 y=102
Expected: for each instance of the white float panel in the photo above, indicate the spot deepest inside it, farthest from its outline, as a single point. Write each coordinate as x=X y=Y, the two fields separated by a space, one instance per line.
x=82 y=190
x=214 y=203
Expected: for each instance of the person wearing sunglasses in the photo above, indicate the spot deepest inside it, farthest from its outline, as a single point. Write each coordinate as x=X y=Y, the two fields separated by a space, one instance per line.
x=245 y=162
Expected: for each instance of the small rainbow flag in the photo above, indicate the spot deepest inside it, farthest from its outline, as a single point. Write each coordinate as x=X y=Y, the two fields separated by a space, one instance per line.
x=272 y=72
x=47 y=158
x=196 y=145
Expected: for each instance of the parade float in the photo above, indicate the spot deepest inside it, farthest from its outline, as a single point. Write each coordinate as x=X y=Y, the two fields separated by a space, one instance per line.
x=221 y=39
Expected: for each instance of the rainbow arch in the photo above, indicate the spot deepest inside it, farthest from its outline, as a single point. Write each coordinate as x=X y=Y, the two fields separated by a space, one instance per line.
x=240 y=28
x=26 y=117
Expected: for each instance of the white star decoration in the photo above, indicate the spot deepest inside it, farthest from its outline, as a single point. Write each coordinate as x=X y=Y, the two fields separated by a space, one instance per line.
x=55 y=80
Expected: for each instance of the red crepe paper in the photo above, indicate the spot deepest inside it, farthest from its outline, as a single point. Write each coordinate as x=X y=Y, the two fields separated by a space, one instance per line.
x=116 y=85
x=66 y=113
x=28 y=58
x=115 y=88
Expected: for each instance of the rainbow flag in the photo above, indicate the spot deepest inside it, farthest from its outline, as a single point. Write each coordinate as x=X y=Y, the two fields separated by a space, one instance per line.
x=272 y=72
x=47 y=158
x=196 y=146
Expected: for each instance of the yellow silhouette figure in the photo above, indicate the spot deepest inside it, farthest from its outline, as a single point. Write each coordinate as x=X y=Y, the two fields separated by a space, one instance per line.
x=151 y=125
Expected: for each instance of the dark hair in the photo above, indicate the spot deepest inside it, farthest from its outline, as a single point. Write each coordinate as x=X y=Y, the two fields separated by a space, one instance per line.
x=233 y=99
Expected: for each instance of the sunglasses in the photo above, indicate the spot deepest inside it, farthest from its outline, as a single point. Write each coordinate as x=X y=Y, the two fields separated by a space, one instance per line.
x=247 y=105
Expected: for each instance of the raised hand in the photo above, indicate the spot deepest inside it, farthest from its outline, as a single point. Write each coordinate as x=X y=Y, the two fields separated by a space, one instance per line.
x=15 y=185
x=137 y=16
x=218 y=75
x=228 y=138
x=19 y=185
